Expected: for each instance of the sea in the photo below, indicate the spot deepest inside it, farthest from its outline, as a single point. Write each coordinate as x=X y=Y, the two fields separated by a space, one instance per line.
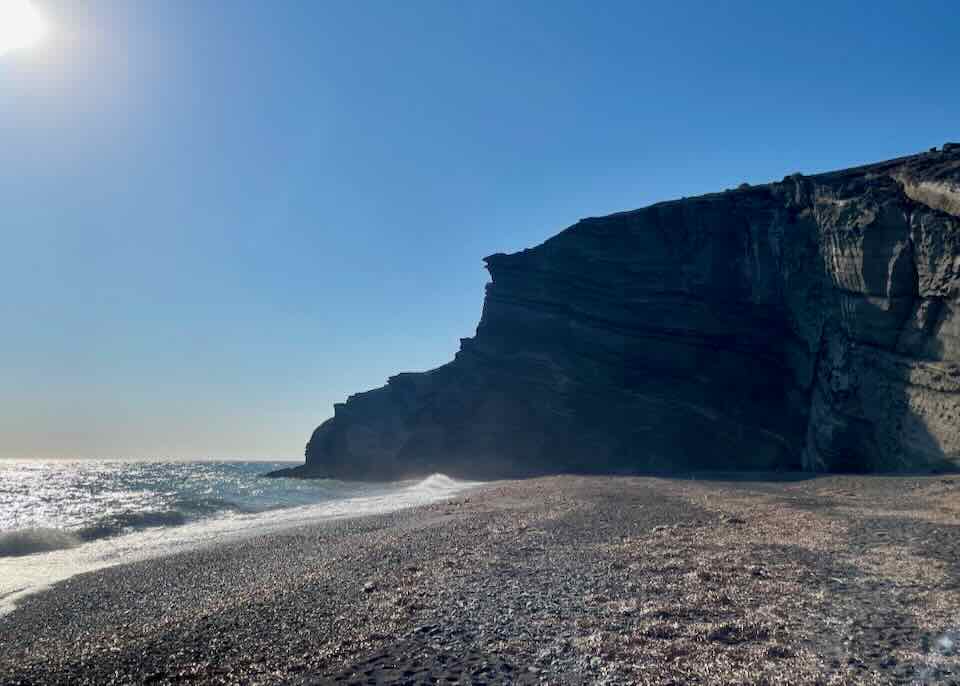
x=59 y=518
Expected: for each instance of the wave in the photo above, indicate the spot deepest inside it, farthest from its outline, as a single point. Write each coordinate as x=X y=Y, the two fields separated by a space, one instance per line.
x=437 y=483
x=30 y=541
x=181 y=512
x=114 y=525
x=40 y=540
x=185 y=510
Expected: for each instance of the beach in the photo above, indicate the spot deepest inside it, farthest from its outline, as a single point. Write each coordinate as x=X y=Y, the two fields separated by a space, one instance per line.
x=567 y=580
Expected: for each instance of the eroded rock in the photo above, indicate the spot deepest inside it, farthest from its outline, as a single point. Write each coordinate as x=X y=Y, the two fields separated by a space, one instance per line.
x=812 y=323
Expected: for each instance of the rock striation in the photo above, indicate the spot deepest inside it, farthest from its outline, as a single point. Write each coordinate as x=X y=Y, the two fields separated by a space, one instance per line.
x=808 y=324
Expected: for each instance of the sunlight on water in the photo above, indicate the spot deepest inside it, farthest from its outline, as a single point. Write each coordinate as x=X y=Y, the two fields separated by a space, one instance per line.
x=58 y=519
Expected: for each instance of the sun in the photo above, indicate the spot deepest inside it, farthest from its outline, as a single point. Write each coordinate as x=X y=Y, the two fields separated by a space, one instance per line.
x=21 y=25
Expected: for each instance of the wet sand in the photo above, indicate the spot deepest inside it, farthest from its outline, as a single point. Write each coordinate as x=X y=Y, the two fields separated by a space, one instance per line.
x=566 y=580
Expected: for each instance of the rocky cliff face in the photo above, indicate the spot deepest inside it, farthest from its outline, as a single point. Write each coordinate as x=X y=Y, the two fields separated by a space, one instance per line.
x=812 y=323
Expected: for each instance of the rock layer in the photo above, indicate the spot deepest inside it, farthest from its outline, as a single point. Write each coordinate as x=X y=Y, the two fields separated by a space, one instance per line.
x=812 y=323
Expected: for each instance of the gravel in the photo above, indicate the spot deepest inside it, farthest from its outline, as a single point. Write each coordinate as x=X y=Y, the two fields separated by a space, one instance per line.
x=560 y=580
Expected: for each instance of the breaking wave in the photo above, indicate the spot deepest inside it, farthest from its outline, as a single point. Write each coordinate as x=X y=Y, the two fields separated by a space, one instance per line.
x=30 y=541
x=436 y=485
x=58 y=519
x=56 y=506
x=43 y=539
x=184 y=511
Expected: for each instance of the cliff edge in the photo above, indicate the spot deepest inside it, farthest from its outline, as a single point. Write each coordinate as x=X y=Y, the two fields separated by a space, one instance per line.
x=808 y=324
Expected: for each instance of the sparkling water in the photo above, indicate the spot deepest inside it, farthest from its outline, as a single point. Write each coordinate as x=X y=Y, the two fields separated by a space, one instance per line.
x=60 y=518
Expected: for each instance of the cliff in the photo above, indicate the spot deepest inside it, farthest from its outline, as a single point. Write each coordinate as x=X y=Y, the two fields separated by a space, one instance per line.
x=808 y=324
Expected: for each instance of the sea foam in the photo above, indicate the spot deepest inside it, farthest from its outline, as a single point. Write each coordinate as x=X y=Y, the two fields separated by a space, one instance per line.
x=59 y=520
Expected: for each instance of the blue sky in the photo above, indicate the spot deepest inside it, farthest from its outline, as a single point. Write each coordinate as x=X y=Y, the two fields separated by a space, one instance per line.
x=219 y=218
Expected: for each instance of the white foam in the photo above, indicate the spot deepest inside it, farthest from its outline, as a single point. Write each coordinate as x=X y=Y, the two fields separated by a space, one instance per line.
x=30 y=573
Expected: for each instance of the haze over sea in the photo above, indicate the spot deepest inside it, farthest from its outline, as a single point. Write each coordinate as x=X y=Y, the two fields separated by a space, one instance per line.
x=63 y=517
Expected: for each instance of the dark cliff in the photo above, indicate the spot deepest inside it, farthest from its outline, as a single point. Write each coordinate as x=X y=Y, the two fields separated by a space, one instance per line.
x=812 y=323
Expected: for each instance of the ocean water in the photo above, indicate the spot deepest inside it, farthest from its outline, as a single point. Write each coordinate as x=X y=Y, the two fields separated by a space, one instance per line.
x=61 y=518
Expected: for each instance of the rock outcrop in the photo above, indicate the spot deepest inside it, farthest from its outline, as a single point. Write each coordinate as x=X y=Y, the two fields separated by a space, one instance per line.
x=808 y=324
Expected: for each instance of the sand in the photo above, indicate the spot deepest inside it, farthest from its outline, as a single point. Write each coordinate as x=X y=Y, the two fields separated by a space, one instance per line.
x=560 y=580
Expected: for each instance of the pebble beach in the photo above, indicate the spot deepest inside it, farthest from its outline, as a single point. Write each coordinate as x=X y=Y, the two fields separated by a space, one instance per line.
x=559 y=580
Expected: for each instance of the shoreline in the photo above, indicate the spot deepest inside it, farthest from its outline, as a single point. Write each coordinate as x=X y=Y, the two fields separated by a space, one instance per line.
x=569 y=579
x=33 y=560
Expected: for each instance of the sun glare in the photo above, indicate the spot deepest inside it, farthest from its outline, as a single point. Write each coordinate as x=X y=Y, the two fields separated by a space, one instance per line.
x=21 y=25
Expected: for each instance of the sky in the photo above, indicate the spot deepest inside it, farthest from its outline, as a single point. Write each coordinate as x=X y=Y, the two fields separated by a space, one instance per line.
x=220 y=217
